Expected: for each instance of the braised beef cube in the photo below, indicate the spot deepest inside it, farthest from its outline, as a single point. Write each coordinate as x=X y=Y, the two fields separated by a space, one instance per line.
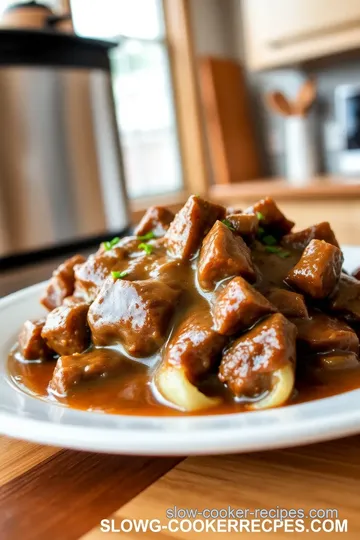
x=123 y=247
x=135 y=314
x=271 y=217
x=72 y=370
x=232 y=210
x=91 y=275
x=336 y=361
x=299 y=240
x=66 y=330
x=190 y=225
x=356 y=273
x=322 y=368
x=289 y=303
x=318 y=270
x=321 y=333
x=71 y=300
x=239 y=306
x=266 y=348
x=175 y=273
x=62 y=283
x=346 y=300
x=244 y=224
x=156 y=220
x=195 y=346
x=31 y=343
x=223 y=254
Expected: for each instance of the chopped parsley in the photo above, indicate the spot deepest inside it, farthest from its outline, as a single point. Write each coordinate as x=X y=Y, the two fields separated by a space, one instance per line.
x=148 y=248
x=260 y=216
x=269 y=240
x=261 y=231
x=273 y=249
x=119 y=275
x=278 y=250
x=111 y=243
x=284 y=254
x=148 y=236
x=228 y=224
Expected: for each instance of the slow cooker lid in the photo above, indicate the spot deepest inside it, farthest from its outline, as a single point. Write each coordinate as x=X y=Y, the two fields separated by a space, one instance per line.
x=51 y=48
x=26 y=5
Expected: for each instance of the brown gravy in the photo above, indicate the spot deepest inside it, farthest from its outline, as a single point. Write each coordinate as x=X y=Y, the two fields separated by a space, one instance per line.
x=131 y=392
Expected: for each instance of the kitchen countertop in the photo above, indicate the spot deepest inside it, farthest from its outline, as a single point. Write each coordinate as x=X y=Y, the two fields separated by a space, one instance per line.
x=48 y=492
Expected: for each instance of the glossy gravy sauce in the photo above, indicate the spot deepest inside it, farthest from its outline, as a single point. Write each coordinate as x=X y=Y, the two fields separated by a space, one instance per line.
x=132 y=391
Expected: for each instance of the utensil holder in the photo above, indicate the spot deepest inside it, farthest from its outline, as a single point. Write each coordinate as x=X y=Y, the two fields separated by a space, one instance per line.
x=301 y=164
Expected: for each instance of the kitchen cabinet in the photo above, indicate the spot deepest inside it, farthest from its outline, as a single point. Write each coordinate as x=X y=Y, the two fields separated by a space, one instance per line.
x=280 y=32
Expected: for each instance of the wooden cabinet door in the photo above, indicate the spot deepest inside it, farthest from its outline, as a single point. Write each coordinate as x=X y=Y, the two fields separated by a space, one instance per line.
x=282 y=31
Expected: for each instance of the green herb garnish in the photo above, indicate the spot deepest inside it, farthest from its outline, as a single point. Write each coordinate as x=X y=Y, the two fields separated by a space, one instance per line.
x=148 y=248
x=261 y=231
x=228 y=224
x=273 y=249
x=284 y=254
x=119 y=275
x=276 y=249
x=269 y=240
x=148 y=236
x=111 y=243
x=260 y=216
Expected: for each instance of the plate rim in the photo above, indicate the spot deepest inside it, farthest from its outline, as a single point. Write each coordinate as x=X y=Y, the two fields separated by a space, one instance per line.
x=116 y=441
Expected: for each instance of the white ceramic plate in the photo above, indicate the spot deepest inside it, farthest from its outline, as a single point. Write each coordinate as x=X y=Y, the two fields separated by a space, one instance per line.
x=27 y=417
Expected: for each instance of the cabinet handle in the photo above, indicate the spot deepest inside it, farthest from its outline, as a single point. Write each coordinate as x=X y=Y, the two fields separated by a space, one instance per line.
x=310 y=34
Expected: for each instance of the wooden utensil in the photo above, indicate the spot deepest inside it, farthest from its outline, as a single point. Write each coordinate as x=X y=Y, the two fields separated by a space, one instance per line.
x=305 y=98
x=278 y=103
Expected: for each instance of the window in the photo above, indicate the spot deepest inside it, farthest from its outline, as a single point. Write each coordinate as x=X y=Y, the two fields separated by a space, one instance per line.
x=142 y=89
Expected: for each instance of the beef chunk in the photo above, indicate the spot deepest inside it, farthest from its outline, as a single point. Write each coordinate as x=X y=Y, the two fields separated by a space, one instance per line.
x=91 y=275
x=156 y=219
x=232 y=210
x=71 y=300
x=31 y=343
x=244 y=224
x=321 y=333
x=299 y=240
x=190 y=225
x=269 y=346
x=176 y=273
x=239 y=306
x=346 y=300
x=223 y=254
x=124 y=255
x=356 y=273
x=135 y=314
x=195 y=346
x=271 y=217
x=78 y=368
x=289 y=303
x=125 y=246
x=66 y=330
x=318 y=271
x=333 y=361
x=62 y=283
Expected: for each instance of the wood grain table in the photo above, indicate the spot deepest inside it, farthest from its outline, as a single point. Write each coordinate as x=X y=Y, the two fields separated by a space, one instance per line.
x=57 y=494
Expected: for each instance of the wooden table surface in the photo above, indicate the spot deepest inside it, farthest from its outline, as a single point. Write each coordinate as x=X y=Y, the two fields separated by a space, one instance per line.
x=58 y=494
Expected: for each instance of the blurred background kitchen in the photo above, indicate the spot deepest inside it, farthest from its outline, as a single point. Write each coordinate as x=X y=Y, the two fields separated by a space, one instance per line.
x=109 y=106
